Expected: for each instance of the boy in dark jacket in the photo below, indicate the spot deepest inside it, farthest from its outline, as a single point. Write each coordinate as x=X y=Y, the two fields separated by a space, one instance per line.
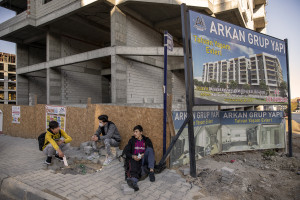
x=108 y=133
x=140 y=153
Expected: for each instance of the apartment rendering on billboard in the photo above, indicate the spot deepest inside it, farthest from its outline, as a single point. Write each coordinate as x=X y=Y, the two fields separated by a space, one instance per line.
x=233 y=65
x=259 y=68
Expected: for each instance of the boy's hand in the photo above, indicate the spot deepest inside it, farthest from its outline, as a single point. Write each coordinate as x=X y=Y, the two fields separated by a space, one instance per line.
x=95 y=138
x=60 y=142
x=135 y=157
x=60 y=153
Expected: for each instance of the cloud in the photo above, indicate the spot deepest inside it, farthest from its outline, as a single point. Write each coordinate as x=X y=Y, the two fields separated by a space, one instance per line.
x=199 y=78
x=242 y=49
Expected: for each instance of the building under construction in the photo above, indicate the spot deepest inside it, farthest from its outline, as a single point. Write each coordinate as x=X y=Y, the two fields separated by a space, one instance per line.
x=7 y=78
x=109 y=50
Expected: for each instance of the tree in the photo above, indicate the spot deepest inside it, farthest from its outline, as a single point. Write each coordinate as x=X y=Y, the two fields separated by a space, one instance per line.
x=233 y=84
x=264 y=87
x=293 y=106
x=283 y=85
x=206 y=84
x=214 y=83
x=283 y=88
x=223 y=85
x=198 y=83
x=246 y=86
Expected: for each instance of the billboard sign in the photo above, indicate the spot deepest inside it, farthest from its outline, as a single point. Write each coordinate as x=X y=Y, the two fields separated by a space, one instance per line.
x=228 y=131
x=234 y=65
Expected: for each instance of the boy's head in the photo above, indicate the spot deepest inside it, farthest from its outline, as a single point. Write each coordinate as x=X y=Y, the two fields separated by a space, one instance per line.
x=54 y=126
x=138 y=131
x=103 y=119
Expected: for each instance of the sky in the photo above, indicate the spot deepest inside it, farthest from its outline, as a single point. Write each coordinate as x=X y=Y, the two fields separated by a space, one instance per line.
x=6 y=47
x=282 y=17
x=282 y=22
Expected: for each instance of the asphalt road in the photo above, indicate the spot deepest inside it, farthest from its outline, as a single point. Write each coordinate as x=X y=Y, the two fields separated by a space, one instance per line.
x=296 y=117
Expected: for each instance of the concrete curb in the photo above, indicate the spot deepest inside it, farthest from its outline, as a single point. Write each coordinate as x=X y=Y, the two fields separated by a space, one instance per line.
x=17 y=190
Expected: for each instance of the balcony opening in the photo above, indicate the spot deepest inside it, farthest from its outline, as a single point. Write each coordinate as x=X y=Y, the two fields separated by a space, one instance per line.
x=11 y=68
x=11 y=77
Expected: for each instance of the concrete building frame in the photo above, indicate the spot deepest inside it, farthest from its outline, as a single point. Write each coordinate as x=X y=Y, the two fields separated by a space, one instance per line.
x=109 y=50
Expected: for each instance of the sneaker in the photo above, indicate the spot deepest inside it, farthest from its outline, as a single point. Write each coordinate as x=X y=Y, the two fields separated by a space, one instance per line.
x=93 y=156
x=132 y=184
x=58 y=158
x=48 y=161
x=108 y=161
x=151 y=176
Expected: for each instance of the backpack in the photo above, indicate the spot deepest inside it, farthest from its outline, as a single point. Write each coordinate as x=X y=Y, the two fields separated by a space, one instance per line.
x=41 y=140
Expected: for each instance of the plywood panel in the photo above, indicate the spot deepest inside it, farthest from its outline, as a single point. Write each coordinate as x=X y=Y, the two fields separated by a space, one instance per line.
x=81 y=123
x=40 y=119
x=126 y=118
x=26 y=128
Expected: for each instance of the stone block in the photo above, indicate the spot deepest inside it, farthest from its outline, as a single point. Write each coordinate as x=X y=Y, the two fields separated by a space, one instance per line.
x=87 y=150
x=102 y=152
x=226 y=180
x=119 y=153
x=185 y=171
x=84 y=144
x=227 y=171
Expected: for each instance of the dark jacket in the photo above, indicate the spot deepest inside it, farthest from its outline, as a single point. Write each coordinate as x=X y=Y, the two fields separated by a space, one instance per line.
x=134 y=168
x=109 y=131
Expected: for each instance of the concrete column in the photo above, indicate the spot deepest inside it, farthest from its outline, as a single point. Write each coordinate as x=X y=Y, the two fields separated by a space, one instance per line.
x=53 y=46
x=53 y=52
x=22 y=81
x=22 y=90
x=118 y=27
x=118 y=79
x=22 y=55
x=53 y=87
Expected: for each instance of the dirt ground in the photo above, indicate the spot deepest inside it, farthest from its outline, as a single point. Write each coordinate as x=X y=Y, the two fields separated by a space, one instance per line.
x=79 y=167
x=267 y=174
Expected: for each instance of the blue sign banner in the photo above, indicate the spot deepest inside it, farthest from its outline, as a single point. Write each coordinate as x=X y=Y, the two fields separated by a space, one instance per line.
x=251 y=117
x=234 y=65
x=201 y=118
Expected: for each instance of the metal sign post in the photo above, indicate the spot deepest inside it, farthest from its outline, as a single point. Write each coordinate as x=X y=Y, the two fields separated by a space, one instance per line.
x=168 y=45
x=290 y=132
x=189 y=86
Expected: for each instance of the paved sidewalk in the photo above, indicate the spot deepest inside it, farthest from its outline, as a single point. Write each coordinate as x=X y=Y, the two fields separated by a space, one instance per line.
x=22 y=173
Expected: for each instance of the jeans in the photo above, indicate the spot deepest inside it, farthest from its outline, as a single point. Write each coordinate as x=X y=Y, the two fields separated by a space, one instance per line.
x=148 y=159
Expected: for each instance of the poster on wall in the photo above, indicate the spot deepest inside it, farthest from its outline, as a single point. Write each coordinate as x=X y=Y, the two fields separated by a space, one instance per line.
x=234 y=65
x=56 y=113
x=16 y=114
x=228 y=131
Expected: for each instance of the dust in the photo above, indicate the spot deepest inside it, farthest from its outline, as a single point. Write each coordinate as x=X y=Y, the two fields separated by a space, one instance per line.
x=266 y=174
x=75 y=167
